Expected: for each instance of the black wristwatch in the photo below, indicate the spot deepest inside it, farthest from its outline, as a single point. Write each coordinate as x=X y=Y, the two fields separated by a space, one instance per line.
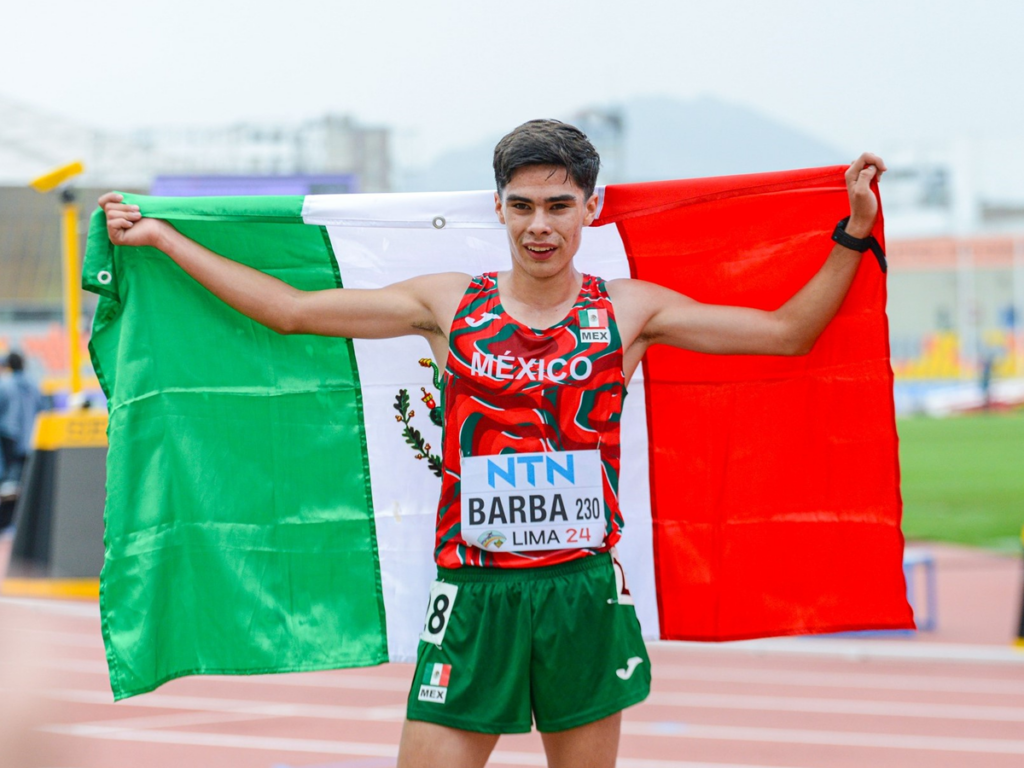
x=859 y=244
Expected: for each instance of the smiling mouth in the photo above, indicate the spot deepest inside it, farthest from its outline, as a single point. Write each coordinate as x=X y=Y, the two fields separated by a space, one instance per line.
x=541 y=250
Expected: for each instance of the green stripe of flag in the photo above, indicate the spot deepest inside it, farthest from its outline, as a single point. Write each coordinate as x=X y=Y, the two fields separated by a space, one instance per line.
x=237 y=469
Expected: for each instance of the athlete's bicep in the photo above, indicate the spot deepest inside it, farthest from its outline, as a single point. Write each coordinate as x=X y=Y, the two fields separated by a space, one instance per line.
x=655 y=314
x=680 y=321
x=412 y=307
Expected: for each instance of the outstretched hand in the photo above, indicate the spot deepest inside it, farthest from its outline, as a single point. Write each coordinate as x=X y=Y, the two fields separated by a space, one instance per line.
x=127 y=226
x=863 y=203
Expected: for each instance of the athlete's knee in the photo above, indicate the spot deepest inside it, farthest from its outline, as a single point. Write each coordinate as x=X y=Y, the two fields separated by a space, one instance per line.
x=428 y=745
x=594 y=745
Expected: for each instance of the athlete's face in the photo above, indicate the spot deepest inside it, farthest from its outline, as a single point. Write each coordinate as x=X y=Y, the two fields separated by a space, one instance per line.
x=544 y=213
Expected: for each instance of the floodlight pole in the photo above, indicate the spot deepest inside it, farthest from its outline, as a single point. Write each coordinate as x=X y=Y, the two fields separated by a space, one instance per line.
x=72 y=292
x=59 y=177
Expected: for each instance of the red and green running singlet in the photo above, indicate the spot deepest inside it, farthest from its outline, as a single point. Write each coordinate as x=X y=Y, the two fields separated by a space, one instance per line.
x=531 y=433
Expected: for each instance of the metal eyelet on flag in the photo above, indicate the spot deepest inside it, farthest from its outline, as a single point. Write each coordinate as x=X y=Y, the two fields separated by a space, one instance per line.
x=439 y=222
x=104 y=277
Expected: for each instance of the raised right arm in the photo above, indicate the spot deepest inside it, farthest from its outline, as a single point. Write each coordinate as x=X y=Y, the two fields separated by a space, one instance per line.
x=422 y=306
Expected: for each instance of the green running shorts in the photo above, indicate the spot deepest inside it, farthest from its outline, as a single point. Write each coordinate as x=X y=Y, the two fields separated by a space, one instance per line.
x=498 y=644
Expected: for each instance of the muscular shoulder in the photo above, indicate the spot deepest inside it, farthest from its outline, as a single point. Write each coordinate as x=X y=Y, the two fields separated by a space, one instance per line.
x=637 y=303
x=636 y=299
x=440 y=287
x=443 y=282
x=625 y=289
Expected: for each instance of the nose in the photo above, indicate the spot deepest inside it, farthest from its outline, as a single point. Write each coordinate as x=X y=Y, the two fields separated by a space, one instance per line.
x=539 y=223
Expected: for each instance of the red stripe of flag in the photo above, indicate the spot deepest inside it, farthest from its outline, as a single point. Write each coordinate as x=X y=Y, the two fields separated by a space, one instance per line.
x=774 y=480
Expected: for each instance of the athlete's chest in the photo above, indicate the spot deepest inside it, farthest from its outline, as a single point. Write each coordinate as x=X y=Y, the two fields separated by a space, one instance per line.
x=493 y=348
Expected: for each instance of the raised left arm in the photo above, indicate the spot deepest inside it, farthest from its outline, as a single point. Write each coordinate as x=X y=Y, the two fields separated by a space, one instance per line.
x=663 y=316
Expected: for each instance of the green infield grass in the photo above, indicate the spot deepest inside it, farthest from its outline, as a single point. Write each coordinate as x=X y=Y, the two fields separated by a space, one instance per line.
x=963 y=478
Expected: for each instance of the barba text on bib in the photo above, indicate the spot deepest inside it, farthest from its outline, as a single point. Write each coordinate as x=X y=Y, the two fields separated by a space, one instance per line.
x=519 y=502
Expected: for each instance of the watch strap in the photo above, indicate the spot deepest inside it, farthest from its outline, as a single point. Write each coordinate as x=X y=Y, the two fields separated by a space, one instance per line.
x=859 y=244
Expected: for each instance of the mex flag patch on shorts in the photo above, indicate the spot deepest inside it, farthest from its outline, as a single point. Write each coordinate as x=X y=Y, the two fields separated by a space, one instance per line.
x=435 y=683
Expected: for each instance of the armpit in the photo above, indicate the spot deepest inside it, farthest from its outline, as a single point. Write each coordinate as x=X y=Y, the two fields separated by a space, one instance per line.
x=428 y=327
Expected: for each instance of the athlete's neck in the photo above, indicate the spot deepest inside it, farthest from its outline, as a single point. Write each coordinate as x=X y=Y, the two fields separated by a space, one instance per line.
x=540 y=302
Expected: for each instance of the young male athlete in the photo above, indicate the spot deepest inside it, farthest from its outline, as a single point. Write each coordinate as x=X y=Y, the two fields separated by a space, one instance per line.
x=534 y=623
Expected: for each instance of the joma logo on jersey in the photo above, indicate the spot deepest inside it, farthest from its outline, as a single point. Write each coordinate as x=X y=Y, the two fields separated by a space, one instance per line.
x=508 y=367
x=515 y=469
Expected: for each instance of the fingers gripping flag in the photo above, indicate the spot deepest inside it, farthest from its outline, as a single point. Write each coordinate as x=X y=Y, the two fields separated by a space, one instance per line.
x=271 y=499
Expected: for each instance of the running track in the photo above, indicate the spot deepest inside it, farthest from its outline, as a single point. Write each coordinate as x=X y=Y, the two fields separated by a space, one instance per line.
x=797 y=703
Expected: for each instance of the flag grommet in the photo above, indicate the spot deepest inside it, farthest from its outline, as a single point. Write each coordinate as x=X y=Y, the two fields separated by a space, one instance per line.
x=439 y=222
x=104 y=277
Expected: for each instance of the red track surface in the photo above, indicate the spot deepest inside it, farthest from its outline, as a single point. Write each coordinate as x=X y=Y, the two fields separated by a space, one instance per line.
x=953 y=700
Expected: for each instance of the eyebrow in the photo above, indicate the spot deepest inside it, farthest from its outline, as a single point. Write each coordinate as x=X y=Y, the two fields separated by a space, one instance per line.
x=566 y=198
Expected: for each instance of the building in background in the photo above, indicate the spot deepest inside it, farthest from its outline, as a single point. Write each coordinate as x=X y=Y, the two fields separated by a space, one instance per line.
x=328 y=145
x=331 y=154
x=955 y=224
x=218 y=185
x=33 y=141
x=954 y=212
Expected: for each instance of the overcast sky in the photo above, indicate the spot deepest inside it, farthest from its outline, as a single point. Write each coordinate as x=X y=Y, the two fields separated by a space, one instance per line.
x=853 y=74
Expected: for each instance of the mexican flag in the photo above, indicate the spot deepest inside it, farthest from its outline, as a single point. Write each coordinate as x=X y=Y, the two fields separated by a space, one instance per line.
x=271 y=499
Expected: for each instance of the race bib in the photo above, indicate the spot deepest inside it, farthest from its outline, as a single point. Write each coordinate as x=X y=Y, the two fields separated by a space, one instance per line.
x=520 y=502
x=439 y=611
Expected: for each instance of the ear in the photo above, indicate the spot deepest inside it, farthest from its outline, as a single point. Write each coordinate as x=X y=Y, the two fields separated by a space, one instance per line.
x=498 y=208
x=591 y=210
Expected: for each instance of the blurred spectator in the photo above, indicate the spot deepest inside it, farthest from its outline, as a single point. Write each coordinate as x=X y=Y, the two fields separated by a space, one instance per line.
x=20 y=401
x=988 y=362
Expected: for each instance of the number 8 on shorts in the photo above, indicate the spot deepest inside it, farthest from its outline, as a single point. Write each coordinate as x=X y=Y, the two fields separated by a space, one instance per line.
x=439 y=610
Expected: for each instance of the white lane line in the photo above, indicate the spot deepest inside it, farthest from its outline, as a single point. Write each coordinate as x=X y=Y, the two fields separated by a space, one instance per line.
x=74 y=608
x=865 y=680
x=73 y=639
x=859 y=680
x=839 y=706
x=174 y=721
x=240 y=706
x=690 y=700
x=330 y=747
x=321 y=680
x=908 y=650
x=825 y=738
x=862 y=681
x=337 y=679
x=84 y=666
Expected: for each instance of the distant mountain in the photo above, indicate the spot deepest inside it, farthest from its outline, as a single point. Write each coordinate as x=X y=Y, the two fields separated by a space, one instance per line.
x=668 y=139
x=663 y=138
x=459 y=169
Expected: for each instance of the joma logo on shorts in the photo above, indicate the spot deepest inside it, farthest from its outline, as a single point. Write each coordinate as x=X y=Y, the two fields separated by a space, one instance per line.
x=508 y=367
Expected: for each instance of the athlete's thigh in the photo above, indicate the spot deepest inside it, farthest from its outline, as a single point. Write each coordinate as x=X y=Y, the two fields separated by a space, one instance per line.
x=589 y=659
x=594 y=745
x=473 y=673
x=428 y=745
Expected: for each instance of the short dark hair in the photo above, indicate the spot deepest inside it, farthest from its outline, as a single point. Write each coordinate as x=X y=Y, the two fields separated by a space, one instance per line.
x=15 y=362
x=547 y=142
